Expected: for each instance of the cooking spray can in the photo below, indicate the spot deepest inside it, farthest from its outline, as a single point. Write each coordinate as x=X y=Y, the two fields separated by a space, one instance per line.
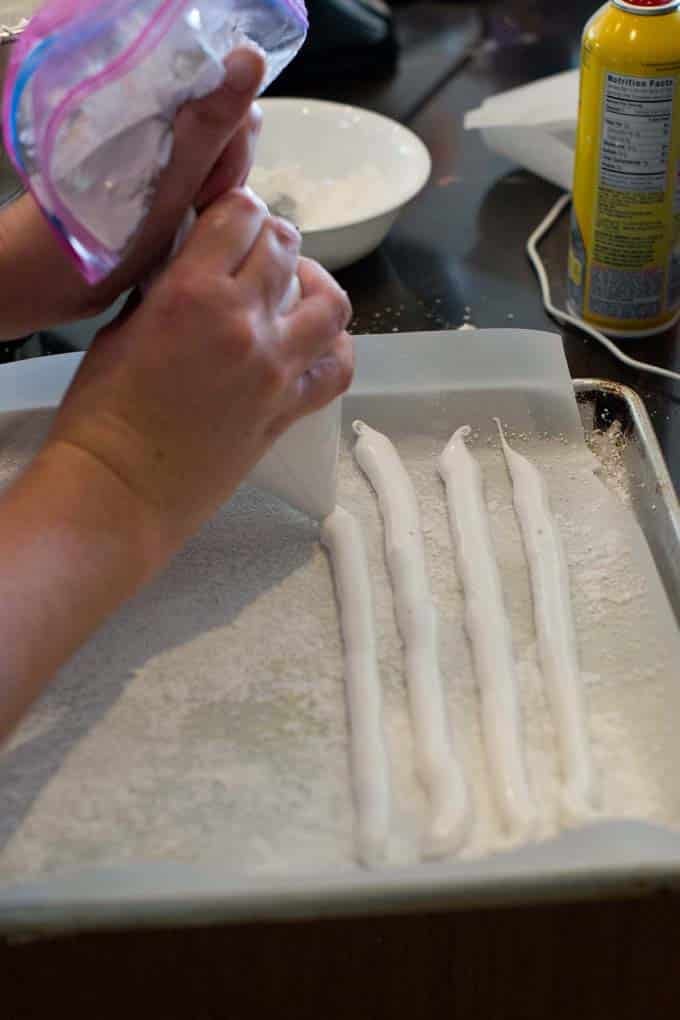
x=624 y=254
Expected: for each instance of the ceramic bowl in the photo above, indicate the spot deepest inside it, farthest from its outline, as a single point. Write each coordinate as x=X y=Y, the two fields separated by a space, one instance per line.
x=356 y=169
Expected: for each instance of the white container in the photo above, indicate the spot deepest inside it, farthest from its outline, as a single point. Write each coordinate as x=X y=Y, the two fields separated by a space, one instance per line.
x=534 y=125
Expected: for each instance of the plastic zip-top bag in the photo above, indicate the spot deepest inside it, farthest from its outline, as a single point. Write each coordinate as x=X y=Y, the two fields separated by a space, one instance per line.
x=91 y=95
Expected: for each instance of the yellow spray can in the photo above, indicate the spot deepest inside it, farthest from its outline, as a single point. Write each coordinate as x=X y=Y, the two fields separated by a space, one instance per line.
x=624 y=254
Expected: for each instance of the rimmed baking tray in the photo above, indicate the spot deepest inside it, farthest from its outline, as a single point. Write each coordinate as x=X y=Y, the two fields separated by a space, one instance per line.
x=607 y=858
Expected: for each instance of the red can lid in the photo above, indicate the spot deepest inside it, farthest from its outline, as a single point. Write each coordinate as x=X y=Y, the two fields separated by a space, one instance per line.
x=649 y=3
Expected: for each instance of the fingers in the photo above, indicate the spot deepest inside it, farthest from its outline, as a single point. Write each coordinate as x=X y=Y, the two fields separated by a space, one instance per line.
x=235 y=162
x=324 y=312
x=316 y=333
x=226 y=233
x=328 y=378
x=207 y=124
x=313 y=278
x=270 y=268
x=204 y=127
x=203 y=130
x=316 y=282
x=292 y=298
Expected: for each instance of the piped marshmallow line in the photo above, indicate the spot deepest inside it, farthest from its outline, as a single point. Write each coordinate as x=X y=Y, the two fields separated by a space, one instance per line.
x=490 y=636
x=555 y=631
x=342 y=536
x=437 y=765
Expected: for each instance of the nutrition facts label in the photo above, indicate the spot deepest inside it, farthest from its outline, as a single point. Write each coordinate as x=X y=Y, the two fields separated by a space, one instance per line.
x=636 y=132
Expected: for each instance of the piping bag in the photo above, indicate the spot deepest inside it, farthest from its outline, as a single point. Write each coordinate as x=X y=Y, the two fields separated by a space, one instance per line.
x=90 y=99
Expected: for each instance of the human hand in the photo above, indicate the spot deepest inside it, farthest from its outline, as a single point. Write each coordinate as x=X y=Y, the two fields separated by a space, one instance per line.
x=172 y=407
x=183 y=396
x=214 y=145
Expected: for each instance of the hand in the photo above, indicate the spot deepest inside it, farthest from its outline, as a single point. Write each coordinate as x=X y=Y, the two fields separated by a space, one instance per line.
x=215 y=140
x=172 y=407
x=213 y=152
x=183 y=396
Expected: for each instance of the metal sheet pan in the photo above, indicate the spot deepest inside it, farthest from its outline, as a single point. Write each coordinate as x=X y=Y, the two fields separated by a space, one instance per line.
x=609 y=858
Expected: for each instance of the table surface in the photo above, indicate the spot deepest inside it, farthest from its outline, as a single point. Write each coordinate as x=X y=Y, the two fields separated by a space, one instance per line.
x=459 y=247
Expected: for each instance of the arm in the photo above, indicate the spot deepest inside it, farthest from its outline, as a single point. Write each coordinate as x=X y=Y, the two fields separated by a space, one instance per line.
x=74 y=544
x=213 y=149
x=171 y=408
x=42 y=286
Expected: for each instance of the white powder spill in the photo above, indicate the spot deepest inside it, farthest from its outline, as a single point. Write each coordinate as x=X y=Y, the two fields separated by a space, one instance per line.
x=314 y=204
x=206 y=722
x=609 y=449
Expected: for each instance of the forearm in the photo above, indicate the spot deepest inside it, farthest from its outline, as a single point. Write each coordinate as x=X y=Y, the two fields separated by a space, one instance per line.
x=41 y=286
x=75 y=543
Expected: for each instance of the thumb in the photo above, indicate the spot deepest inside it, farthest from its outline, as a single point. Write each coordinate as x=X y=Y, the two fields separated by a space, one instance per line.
x=204 y=127
x=202 y=131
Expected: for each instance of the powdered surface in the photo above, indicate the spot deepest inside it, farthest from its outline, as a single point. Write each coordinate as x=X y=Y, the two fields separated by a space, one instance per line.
x=206 y=721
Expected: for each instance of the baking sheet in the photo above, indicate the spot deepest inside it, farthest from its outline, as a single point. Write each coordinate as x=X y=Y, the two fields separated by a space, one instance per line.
x=221 y=761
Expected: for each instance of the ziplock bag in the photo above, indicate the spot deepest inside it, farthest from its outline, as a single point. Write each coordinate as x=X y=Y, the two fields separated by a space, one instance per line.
x=92 y=90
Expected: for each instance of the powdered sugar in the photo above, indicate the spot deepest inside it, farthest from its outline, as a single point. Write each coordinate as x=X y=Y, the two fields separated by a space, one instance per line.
x=207 y=720
x=314 y=204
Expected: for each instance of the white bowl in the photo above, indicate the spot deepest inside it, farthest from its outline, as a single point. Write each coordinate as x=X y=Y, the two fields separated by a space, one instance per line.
x=369 y=166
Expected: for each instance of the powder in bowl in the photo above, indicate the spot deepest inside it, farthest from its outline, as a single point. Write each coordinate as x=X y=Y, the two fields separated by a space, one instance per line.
x=321 y=204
